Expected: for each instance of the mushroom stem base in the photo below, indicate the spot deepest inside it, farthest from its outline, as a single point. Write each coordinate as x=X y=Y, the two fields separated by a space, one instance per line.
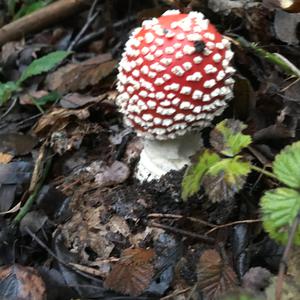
x=159 y=157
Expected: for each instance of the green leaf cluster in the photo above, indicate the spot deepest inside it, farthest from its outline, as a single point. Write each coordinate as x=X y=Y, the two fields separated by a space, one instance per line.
x=281 y=206
x=37 y=67
x=221 y=171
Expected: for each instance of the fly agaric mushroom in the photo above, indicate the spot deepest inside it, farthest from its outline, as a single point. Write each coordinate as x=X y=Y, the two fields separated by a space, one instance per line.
x=174 y=78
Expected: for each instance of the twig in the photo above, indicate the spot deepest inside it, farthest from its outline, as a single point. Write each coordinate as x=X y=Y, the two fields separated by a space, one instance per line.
x=90 y=19
x=37 y=180
x=97 y=34
x=285 y=256
x=40 y=19
x=171 y=216
x=9 y=109
x=200 y=237
x=233 y=223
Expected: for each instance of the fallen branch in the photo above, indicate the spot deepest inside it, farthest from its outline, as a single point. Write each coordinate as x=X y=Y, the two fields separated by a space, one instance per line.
x=40 y=19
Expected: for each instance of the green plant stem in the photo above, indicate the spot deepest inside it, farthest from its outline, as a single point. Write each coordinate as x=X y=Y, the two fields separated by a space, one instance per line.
x=263 y=171
x=285 y=66
x=30 y=201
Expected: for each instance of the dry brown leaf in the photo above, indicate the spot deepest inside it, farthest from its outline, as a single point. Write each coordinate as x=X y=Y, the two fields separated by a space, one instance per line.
x=5 y=158
x=133 y=273
x=58 y=119
x=71 y=138
x=75 y=77
x=286 y=27
x=215 y=277
x=117 y=173
x=292 y=6
x=21 y=283
x=75 y=100
x=27 y=97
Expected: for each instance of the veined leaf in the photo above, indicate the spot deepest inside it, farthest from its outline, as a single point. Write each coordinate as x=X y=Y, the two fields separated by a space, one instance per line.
x=43 y=64
x=279 y=208
x=6 y=91
x=287 y=165
x=225 y=178
x=193 y=177
x=227 y=137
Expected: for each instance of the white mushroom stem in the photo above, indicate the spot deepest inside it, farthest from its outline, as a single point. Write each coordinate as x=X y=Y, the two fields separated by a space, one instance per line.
x=161 y=156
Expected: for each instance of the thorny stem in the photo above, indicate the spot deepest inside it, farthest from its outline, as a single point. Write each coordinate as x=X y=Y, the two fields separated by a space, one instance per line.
x=282 y=266
x=263 y=171
x=27 y=206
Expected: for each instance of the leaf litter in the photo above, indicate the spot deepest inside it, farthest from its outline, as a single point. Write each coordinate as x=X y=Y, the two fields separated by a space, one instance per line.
x=87 y=234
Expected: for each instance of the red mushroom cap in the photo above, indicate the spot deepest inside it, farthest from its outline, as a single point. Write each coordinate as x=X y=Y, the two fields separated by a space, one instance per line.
x=174 y=76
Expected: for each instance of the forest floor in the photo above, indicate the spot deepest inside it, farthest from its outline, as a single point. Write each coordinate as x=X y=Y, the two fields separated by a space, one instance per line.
x=74 y=222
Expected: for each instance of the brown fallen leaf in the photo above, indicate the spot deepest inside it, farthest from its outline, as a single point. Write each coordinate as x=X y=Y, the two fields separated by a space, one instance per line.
x=75 y=100
x=215 y=277
x=22 y=283
x=292 y=6
x=133 y=273
x=75 y=77
x=58 y=119
x=117 y=173
x=17 y=143
x=5 y=158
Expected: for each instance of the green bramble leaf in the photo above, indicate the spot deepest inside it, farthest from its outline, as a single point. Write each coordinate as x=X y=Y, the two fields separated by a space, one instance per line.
x=287 y=165
x=279 y=208
x=43 y=64
x=6 y=91
x=193 y=177
x=225 y=178
x=227 y=137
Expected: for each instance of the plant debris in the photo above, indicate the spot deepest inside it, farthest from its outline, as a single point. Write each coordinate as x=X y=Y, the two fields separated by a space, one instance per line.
x=75 y=223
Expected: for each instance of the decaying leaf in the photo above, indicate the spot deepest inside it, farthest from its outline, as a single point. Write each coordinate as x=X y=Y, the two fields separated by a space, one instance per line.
x=294 y=262
x=290 y=290
x=193 y=177
x=215 y=276
x=71 y=137
x=75 y=100
x=292 y=6
x=117 y=173
x=256 y=279
x=5 y=158
x=17 y=143
x=286 y=27
x=75 y=77
x=133 y=273
x=227 y=137
x=225 y=178
x=58 y=119
x=23 y=283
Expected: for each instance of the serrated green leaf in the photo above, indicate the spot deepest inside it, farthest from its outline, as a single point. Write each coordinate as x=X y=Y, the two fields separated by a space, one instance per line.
x=43 y=64
x=225 y=178
x=227 y=137
x=192 y=179
x=287 y=165
x=279 y=208
x=6 y=91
